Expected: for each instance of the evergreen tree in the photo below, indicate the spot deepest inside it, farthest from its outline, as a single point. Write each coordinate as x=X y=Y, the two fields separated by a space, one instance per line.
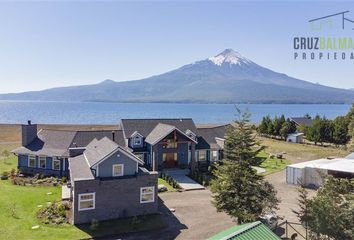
x=263 y=126
x=285 y=130
x=237 y=189
x=340 y=130
x=241 y=144
x=330 y=214
x=278 y=123
x=303 y=202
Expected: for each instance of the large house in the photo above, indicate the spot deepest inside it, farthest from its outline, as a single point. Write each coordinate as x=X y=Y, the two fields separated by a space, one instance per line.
x=114 y=173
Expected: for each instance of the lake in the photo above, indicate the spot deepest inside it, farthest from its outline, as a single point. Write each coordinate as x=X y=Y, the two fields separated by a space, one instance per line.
x=111 y=113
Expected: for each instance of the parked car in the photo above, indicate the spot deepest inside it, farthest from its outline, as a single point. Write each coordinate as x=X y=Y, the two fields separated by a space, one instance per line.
x=270 y=220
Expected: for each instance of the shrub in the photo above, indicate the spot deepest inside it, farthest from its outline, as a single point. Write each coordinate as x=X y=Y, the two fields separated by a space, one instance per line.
x=4 y=175
x=64 y=179
x=94 y=224
x=54 y=213
x=13 y=173
x=5 y=153
x=13 y=211
x=135 y=220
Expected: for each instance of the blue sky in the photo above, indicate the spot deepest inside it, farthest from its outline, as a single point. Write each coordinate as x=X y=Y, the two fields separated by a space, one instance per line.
x=51 y=44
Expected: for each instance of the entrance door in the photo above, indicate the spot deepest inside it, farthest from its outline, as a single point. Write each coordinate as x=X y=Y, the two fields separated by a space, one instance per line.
x=170 y=160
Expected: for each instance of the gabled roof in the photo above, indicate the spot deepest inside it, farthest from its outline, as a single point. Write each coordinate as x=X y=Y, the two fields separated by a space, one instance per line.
x=295 y=134
x=302 y=121
x=162 y=130
x=79 y=169
x=57 y=142
x=83 y=138
x=49 y=143
x=247 y=231
x=136 y=133
x=210 y=136
x=145 y=126
x=98 y=150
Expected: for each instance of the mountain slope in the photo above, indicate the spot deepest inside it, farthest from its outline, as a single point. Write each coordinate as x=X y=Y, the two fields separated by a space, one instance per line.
x=225 y=78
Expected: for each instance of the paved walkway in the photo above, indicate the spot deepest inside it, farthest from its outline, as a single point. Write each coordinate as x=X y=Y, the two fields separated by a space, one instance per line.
x=259 y=169
x=65 y=192
x=185 y=182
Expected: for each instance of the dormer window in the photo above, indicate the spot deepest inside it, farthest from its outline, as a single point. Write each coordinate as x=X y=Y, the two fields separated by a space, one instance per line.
x=137 y=140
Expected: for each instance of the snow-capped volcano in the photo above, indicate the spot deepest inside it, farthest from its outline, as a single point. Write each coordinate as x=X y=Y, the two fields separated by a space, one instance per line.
x=227 y=77
x=229 y=56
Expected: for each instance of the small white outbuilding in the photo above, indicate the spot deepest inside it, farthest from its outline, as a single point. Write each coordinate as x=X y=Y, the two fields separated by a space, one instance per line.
x=295 y=137
x=312 y=173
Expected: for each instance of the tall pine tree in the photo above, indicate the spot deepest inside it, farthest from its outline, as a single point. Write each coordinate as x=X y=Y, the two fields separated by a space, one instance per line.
x=237 y=189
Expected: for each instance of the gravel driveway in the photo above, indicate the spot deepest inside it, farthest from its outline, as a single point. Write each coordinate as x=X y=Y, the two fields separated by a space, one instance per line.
x=194 y=217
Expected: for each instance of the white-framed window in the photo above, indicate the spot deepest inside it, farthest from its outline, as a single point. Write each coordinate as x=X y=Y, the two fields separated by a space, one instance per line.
x=87 y=201
x=117 y=170
x=42 y=162
x=56 y=164
x=147 y=194
x=31 y=161
x=202 y=155
x=137 y=140
x=214 y=155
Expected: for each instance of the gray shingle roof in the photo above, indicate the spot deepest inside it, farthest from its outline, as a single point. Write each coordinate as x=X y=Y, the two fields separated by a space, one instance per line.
x=210 y=134
x=83 y=138
x=159 y=132
x=49 y=143
x=99 y=149
x=302 y=121
x=79 y=169
x=145 y=126
x=57 y=142
x=96 y=150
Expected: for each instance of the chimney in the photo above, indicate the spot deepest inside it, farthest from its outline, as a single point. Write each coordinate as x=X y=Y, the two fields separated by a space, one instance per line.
x=113 y=136
x=29 y=133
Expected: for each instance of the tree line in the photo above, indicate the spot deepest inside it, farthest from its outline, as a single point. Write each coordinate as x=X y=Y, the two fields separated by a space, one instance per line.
x=277 y=127
x=338 y=131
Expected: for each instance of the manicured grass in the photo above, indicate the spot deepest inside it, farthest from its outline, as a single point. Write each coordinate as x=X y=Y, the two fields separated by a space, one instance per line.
x=19 y=207
x=169 y=187
x=301 y=152
x=272 y=165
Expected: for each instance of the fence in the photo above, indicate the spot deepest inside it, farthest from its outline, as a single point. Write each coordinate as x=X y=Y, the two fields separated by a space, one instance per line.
x=292 y=230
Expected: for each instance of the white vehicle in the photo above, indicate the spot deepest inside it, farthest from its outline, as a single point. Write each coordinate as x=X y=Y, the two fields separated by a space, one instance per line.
x=270 y=220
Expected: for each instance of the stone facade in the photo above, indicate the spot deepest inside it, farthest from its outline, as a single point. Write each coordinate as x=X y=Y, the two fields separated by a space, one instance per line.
x=114 y=198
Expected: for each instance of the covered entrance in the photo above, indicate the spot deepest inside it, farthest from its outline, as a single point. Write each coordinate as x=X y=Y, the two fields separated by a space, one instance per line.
x=170 y=160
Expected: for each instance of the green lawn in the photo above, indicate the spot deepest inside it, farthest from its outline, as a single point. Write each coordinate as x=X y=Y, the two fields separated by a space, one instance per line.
x=169 y=187
x=272 y=165
x=19 y=206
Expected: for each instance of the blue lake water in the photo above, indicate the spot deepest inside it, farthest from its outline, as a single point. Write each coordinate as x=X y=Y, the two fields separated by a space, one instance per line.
x=111 y=113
